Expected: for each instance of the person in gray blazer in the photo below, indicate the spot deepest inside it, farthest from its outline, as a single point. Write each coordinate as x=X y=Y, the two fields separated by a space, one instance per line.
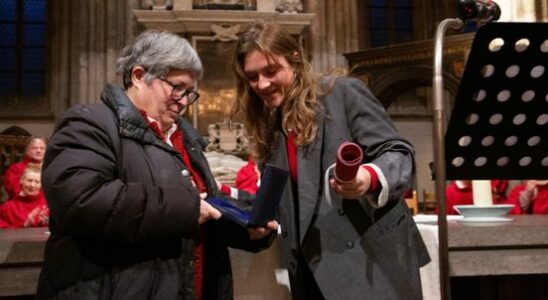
x=351 y=240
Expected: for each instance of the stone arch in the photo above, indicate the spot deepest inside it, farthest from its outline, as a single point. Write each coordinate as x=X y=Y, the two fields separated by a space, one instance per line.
x=15 y=131
x=389 y=85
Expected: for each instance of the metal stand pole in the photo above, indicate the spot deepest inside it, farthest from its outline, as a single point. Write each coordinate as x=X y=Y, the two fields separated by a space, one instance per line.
x=439 y=152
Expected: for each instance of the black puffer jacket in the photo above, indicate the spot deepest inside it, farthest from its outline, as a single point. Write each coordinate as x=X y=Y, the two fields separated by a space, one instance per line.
x=124 y=218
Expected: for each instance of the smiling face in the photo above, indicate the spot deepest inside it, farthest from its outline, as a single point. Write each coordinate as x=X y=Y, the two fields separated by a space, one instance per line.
x=156 y=99
x=31 y=183
x=269 y=79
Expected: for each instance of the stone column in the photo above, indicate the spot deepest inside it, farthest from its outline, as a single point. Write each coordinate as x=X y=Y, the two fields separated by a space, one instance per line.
x=333 y=32
x=86 y=37
x=266 y=5
x=182 y=4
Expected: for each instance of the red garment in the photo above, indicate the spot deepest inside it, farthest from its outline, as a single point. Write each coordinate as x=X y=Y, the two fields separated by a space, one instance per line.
x=15 y=211
x=12 y=177
x=247 y=178
x=457 y=196
x=292 y=156
x=464 y=196
x=177 y=141
x=539 y=204
x=374 y=185
x=499 y=188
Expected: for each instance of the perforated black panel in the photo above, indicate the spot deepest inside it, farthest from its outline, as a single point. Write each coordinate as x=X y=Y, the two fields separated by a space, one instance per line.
x=499 y=125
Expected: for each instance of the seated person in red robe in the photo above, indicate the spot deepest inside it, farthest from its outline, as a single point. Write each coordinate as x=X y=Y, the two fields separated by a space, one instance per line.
x=459 y=192
x=34 y=153
x=499 y=188
x=247 y=182
x=27 y=208
x=530 y=197
x=248 y=177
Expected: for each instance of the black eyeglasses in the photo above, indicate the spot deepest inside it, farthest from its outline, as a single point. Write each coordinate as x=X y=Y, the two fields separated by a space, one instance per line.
x=178 y=92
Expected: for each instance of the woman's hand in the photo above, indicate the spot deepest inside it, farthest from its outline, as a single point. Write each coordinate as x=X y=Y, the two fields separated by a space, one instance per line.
x=353 y=189
x=261 y=232
x=39 y=216
x=207 y=212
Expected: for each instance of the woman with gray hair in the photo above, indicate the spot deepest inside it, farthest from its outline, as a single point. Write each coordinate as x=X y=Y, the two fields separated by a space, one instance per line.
x=126 y=180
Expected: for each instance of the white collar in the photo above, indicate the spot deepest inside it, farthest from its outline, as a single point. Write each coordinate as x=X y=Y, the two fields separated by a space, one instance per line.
x=168 y=134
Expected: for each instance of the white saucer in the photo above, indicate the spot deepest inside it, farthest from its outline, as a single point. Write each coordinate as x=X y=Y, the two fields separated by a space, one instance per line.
x=491 y=211
x=485 y=221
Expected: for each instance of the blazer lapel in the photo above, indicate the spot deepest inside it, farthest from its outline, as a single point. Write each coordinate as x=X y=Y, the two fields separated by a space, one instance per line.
x=309 y=160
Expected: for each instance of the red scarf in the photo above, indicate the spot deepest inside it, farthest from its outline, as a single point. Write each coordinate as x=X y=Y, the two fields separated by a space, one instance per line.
x=177 y=141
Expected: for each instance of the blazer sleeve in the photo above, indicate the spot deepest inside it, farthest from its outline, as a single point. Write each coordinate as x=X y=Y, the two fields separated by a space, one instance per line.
x=372 y=128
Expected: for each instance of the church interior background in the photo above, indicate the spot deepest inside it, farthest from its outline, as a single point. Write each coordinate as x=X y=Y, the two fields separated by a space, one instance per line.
x=57 y=53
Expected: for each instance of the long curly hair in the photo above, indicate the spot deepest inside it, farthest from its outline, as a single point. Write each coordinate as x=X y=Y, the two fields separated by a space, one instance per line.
x=298 y=110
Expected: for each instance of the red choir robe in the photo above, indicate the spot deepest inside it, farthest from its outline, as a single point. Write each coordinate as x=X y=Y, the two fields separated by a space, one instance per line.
x=455 y=195
x=247 y=178
x=15 y=212
x=539 y=203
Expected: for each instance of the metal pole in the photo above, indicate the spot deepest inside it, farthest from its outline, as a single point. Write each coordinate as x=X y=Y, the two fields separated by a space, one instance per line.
x=439 y=152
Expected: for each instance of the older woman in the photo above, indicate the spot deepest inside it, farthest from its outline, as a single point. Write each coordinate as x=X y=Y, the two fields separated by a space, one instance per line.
x=34 y=153
x=28 y=207
x=126 y=179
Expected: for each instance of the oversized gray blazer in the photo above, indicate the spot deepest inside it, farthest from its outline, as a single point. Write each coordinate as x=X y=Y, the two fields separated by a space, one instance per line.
x=355 y=251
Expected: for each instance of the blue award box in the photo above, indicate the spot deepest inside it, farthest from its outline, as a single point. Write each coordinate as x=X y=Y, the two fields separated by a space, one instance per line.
x=265 y=206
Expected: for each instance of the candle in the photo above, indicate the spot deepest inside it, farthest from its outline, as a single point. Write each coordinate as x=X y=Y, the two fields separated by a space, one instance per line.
x=481 y=191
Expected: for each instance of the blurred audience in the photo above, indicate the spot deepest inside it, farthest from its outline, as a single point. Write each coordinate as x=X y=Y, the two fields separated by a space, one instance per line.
x=499 y=188
x=28 y=207
x=34 y=153
x=530 y=197
x=459 y=192
x=248 y=177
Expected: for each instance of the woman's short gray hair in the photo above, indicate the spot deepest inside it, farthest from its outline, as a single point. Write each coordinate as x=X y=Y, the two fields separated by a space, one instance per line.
x=158 y=52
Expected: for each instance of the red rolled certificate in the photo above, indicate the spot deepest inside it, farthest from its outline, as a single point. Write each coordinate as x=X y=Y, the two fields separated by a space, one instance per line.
x=349 y=159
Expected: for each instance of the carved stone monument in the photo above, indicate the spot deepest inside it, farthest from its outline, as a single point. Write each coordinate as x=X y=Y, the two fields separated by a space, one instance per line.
x=228 y=138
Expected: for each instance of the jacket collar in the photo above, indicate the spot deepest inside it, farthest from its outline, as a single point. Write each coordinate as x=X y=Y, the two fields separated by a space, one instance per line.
x=309 y=166
x=132 y=124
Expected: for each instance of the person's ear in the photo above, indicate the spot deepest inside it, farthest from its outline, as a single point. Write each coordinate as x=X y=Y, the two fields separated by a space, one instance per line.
x=296 y=54
x=138 y=76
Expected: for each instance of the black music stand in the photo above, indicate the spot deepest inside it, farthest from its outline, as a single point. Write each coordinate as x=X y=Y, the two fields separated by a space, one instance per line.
x=499 y=125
